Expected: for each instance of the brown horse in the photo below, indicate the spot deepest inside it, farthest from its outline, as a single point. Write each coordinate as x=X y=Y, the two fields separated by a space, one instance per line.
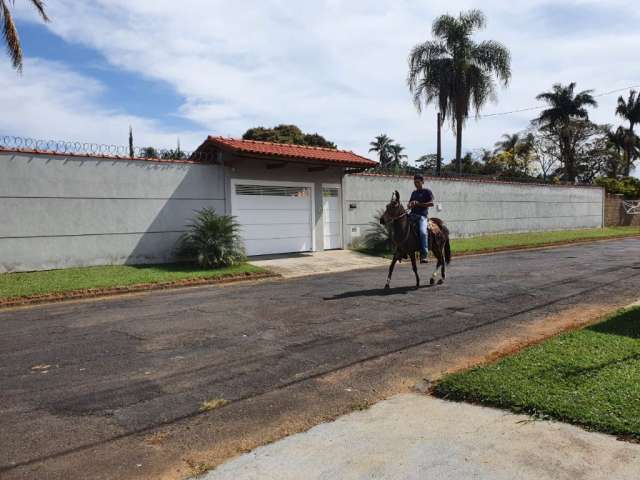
x=406 y=241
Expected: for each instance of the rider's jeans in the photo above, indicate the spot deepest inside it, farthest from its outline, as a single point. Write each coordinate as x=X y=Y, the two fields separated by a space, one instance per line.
x=424 y=237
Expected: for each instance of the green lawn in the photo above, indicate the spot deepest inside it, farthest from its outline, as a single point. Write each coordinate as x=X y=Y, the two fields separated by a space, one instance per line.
x=57 y=281
x=589 y=377
x=486 y=243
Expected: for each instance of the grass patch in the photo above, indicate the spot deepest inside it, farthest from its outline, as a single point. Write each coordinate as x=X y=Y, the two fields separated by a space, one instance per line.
x=487 y=243
x=212 y=404
x=197 y=469
x=14 y=285
x=589 y=377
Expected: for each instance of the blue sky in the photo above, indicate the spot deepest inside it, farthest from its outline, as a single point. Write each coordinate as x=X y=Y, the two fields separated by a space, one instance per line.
x=197 y=67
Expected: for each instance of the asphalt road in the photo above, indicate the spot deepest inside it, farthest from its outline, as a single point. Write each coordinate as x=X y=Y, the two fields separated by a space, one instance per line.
x=76 y=379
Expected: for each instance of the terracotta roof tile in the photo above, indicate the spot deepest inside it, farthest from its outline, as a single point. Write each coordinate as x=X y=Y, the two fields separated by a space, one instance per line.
x=282 y=150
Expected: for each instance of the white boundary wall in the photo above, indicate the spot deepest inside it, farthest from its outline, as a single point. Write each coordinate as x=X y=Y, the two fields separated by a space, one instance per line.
x=477 y=207
x=58 y=211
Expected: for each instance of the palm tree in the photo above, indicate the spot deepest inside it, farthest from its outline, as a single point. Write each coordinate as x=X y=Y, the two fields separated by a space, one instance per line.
x=509 y=143
x=382 y=145
x=396 y=154
x=615 y=144
x=10 y=32
x=629 y=110
x=565 y=107
x=455 y=71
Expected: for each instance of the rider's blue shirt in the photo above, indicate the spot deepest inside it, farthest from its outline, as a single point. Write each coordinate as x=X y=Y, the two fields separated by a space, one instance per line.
x=423 y=196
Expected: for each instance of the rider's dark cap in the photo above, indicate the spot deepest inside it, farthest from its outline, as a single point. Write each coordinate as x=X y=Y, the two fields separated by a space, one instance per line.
x=418 y=176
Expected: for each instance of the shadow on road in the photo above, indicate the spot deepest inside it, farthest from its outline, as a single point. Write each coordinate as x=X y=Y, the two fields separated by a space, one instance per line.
x=376 y=292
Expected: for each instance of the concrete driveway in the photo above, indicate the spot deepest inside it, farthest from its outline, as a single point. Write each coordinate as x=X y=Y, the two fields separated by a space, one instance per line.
x=114 y=388
x=413 y=437
x=313 y=263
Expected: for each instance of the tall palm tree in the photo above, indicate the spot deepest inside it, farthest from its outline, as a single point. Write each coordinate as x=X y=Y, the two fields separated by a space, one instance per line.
x=629 y=110
x=456 y=72
x=396 y=154
x=10 y=32
x=382 y=144
x=615 y=144
x=565 y=107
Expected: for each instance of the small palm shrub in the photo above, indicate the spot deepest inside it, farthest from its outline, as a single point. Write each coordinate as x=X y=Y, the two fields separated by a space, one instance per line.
x=213 y=240
x=378 y=236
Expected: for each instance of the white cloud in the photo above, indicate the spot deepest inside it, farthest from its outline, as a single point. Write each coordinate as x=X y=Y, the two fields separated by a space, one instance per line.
x=49 y=101
x=336 y=67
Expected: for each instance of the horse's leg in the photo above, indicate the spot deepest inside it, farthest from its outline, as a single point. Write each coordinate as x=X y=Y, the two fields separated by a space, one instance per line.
x=393 y=264
x=442 y=269
x=436 y=253
x=415 y=269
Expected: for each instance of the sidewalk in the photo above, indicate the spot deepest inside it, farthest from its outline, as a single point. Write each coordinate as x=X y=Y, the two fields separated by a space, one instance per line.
x=413 y=436
x=312 y=263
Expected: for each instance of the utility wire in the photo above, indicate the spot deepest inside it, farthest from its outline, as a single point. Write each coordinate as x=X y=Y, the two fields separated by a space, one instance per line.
x=528 y=109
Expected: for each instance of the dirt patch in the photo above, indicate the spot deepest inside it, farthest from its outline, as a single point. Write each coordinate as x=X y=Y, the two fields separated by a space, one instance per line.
x=144 y=287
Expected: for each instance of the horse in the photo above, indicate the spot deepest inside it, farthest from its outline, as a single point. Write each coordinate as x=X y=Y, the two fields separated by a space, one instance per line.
x=406 y=240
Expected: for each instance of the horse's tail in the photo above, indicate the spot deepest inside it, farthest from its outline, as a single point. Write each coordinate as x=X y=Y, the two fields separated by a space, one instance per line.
x=445 y=233
x=447 y=250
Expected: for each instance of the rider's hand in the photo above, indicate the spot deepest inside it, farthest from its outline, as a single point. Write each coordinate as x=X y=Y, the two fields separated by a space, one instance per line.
x=411 y=204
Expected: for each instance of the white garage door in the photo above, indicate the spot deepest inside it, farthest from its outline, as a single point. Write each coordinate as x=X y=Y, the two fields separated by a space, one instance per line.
x=275 y=217
x=332 y=216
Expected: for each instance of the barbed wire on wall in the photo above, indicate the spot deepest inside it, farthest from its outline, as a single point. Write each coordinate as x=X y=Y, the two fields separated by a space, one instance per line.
x=66 y=147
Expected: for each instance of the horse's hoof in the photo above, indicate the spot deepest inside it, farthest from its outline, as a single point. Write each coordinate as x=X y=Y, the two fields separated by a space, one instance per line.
x=432 y=281
x=440 y=282
x=417 y=286
x=387 y=287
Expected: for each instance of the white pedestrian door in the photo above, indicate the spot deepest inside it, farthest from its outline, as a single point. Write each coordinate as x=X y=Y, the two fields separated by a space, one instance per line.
x=332 y=217
x=276 y=217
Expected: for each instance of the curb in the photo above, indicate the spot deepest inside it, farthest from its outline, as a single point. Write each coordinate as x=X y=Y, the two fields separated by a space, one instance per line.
x=542 y=246
x=115 y=291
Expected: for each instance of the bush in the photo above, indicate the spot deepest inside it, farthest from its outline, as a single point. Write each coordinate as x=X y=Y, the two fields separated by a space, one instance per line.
x=378 y=236
x=212 y=241
x=628 y=186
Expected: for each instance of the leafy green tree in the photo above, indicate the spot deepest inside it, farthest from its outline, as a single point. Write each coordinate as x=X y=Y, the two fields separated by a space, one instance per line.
x=455 y=72
x=10 y=32
x=627 y=186
x=565 y=110
x=173 y=154
x=427 y=163
x=212 y=240
x=290 y=134
x=382 y=146
x=629 y=110
x=149 y=152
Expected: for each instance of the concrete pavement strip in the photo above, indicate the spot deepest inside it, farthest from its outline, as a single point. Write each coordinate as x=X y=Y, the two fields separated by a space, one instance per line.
x=412 y=436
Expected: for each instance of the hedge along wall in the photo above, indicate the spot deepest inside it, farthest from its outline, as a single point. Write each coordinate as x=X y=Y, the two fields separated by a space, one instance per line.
x=59 y=211
x=474 y=207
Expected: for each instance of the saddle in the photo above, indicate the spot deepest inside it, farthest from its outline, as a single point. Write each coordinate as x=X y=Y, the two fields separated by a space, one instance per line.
x=433 y=228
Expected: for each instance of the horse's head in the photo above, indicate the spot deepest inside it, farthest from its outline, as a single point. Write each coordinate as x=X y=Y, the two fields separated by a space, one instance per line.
x=393 y=210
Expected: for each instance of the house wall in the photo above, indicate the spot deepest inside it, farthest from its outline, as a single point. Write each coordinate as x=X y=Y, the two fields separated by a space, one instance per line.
x=62 y=211
x=476 y=207
x=256 y=169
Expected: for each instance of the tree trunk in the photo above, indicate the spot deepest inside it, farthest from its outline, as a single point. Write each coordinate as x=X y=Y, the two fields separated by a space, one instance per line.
x=628 y=150
x=439 y=150
x=459 y=142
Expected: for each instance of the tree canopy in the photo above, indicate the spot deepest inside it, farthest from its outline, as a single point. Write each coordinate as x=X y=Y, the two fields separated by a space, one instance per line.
x=287 y=134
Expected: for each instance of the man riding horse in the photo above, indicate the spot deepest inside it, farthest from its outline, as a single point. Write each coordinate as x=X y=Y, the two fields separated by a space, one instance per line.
x=419 y=203
x=409 y=237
